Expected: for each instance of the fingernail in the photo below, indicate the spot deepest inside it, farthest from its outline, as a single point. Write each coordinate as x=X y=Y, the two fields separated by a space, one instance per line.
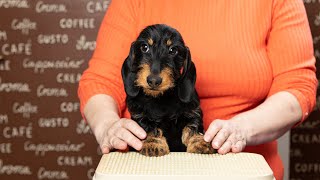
x=206 y=138
x=216 y=144
x=139 y=146
x=143 y=135
x=105 y=150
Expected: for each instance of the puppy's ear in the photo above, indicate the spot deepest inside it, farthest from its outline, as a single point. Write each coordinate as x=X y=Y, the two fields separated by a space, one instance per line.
x=129 y=73
x=186 y=84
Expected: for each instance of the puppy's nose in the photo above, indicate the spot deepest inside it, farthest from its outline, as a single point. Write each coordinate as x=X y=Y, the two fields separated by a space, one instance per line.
x=154 y=81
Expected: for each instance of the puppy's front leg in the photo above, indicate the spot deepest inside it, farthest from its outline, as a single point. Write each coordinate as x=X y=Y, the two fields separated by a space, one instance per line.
x=155 y=144
x=194 y=141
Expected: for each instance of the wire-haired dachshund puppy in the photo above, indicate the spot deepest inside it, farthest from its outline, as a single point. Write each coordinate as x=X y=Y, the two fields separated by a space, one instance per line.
x=159 y=79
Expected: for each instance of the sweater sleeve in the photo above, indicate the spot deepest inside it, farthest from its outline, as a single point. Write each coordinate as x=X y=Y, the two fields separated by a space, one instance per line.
x=103 y=76
x=290 y=50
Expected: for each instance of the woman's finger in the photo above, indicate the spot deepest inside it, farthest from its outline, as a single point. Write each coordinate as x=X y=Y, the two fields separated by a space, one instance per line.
x=129 y=138
x=225 y=148
x=117 y=143
x=134 y=128
x=213 y=129
x=105 y=146
x=220 y=138
x=105 y=149
x=228 y=144
x=238 y=147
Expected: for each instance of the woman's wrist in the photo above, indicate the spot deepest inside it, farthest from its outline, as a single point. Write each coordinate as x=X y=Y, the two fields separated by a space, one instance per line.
x=271 y=119
x=101 y=122
x=249 y=128
x=101 y=112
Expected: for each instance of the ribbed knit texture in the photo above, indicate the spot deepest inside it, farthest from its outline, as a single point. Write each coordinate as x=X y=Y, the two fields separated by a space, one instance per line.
x=244 y=51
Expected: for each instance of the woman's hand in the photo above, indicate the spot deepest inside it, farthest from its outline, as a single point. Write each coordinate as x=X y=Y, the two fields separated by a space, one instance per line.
x=262 y=124
x=265 y=123
x=119 y=134
x=227 y=135
x=111 y=131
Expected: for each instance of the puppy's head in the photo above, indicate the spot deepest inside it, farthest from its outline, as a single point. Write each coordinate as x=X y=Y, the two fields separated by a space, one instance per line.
x=159 y=61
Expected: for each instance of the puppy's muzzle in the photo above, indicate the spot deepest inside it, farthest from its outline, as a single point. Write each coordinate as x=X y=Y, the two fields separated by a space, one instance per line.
x=154 y=81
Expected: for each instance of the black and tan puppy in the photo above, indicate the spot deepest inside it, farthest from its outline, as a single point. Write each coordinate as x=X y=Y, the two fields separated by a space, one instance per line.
x=159 y=79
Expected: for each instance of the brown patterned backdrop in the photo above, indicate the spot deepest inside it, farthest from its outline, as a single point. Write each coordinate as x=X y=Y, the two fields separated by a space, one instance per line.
x=305 y=139
x=44 y=47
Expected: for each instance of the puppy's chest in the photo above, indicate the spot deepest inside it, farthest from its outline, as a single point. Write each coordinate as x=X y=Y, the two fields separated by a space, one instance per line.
x=155 y=109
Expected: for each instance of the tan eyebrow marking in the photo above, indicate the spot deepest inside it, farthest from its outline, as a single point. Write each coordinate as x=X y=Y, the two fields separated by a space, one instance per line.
x=169 y=42
x=150 y=41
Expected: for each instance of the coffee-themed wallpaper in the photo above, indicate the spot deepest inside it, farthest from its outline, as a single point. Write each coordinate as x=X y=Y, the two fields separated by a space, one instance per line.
x=45 y=45
x=305 y=139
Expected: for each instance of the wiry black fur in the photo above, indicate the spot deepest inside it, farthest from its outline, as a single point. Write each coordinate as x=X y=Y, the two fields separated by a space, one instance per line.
x=177 y=107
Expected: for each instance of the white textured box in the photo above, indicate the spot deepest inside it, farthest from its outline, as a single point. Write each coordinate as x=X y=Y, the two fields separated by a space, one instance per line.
x=181 y=165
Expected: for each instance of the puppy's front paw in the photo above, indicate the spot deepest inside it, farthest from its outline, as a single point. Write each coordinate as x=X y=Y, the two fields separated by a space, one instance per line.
x=198 y=145
x=155 y=145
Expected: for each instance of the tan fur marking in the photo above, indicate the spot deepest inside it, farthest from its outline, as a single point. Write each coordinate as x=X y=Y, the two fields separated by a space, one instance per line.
x=142 y=75
x=198 y=145
x=186 y=134
x=167 y=80
x=195 y=142
x=150 y=41
x=169 y=42
x=152 y=93
x=155 y=145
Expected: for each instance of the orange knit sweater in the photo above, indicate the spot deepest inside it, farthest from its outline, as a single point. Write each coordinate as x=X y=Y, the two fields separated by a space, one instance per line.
x=244 y=51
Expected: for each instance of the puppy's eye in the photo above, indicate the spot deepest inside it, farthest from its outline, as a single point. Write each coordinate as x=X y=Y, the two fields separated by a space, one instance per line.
x=173 y=51
x=144 y=48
